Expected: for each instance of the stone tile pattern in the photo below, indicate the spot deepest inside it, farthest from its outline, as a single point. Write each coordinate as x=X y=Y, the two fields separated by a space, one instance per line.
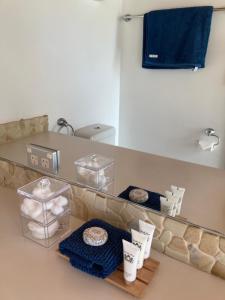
x=14 y=177
x=22 y=128
x=11 y=175
x=186 y=243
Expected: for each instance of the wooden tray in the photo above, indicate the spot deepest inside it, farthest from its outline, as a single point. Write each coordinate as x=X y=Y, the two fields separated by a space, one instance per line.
x=144 y=277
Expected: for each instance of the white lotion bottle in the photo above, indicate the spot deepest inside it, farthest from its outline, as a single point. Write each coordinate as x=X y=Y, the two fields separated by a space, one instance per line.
x=148 y=230
x=140 y=241
x=130 y=260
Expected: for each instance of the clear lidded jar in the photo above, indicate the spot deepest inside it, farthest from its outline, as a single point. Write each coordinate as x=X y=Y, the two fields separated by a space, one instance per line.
x=45 y=210
x=95 y=171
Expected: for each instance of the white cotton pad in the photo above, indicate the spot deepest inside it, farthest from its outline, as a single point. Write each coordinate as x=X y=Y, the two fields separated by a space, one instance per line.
x=61 y=201
x=29 y=203
x=41 y=232
x=49 y=204
x=31 y=207
x=82 y=171
x=102 y=173
x=57 y=210
x=32 y=226
x=102 y=180
x=24 y=209
x=42 y=194
x=48 y=217
x=95 y=165
x=36 y=211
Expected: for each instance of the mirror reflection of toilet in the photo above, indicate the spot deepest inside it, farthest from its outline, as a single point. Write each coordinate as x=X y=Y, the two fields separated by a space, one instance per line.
x=98 y=132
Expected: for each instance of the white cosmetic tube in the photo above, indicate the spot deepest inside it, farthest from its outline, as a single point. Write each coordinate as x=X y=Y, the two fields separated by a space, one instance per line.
x=167 y=207
x=130 y=260
x=173 y=199
x=179 y=192
x=148 y=230
x=140 y=241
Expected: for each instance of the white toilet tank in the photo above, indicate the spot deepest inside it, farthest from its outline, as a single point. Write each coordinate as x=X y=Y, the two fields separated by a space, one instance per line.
x=98 y=132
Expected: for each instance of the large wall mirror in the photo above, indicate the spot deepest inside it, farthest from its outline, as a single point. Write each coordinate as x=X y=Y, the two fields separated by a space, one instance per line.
x=81 y=61
x=203 y=201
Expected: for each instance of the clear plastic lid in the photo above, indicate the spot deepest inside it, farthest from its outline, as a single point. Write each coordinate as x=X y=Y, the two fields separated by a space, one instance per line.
x=43 y=189
x=94 y=162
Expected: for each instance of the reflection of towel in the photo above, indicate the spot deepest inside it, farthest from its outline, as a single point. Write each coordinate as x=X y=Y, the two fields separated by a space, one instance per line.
x=153 y=201
x=98 y=261
x=176 y=38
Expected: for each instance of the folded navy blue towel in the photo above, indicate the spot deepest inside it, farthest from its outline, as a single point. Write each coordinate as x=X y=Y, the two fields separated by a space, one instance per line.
x=98 y=261
x=176 y=38
x=153 y=201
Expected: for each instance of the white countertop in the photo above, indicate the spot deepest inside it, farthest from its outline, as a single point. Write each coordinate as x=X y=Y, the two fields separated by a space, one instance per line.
x=30 y=272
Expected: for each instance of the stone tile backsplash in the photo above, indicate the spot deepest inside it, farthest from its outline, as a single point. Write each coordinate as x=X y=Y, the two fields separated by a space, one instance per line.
x=22 y=128
x=186 y=243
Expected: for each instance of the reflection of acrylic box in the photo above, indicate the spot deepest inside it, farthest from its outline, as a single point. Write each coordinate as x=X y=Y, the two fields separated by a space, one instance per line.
x=95 y=171
x=45 y=210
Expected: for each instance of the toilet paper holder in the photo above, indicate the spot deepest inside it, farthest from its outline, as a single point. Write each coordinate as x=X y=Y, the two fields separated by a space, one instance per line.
x=212 y=132
x=209 y=140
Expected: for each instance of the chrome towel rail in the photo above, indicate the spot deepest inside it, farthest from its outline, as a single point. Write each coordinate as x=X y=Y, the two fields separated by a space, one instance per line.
x=129 y=17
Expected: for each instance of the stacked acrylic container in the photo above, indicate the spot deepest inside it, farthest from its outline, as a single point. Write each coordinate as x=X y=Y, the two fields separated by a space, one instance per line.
x=45 y=210
x=96 y=171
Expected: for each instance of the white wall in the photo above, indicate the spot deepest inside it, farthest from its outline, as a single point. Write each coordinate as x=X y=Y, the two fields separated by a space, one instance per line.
x=60 y=58
x=164 y=111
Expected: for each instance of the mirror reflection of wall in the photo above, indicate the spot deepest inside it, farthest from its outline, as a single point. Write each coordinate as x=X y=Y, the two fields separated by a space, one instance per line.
x=77 y=60
x=165 y=111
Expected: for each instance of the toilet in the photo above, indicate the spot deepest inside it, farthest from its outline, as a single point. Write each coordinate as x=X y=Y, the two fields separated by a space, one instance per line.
x=98 y=132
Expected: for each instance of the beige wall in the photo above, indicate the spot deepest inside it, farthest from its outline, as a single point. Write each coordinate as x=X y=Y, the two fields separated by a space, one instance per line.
x=164 y=111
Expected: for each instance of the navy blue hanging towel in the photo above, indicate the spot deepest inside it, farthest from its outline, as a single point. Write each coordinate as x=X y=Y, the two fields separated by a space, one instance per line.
x=97 y=261
x=153 y=201
x=176 y=38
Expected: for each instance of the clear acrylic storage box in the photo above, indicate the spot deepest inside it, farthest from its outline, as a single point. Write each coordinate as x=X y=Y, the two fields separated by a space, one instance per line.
x=95 y=171
x=45 y=210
